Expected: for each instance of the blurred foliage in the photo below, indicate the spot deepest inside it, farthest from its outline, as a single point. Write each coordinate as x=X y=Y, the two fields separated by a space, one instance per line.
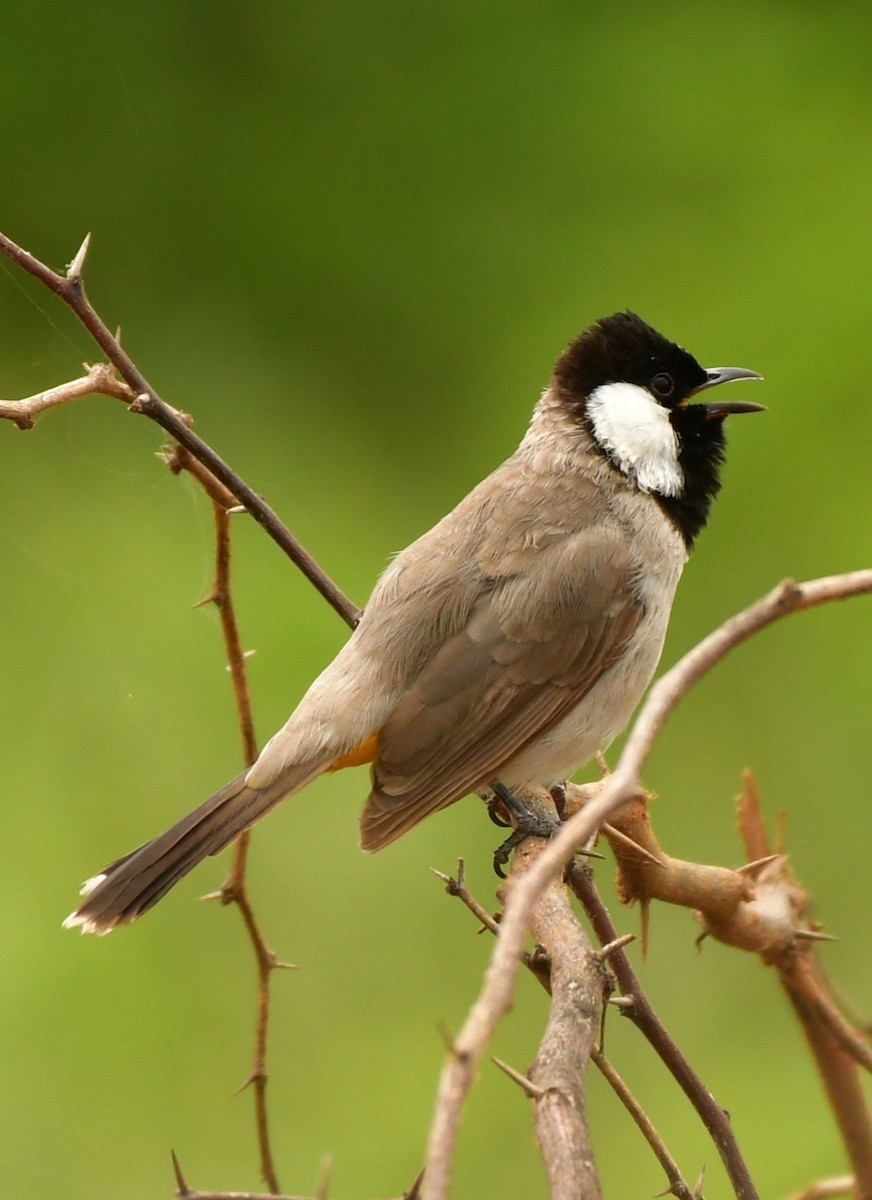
x=351 y=238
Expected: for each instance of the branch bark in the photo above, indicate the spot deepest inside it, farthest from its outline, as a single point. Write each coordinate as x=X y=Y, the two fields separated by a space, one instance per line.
x=641 y=1012
x=577 y=985
x=540 y=966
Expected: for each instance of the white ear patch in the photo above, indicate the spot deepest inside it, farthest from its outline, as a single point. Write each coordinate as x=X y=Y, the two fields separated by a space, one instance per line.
x=636 y=431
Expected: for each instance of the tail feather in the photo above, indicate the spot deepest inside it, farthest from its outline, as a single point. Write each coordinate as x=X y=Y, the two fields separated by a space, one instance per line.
x=131 y=885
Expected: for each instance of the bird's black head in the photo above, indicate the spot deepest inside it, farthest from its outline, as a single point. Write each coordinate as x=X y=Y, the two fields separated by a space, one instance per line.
x=629 y=386
x=625 y=349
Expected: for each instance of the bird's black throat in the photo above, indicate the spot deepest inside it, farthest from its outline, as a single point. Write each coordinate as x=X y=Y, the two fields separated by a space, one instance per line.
x=624 y=348
x=701 y=443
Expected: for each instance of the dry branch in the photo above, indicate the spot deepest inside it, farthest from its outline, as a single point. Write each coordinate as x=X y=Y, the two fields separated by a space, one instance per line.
x=752 y=908
x=496 y=993
x=100 y=379
x=641 y=1012
x=183 y=1192
x=540 y=966
x=235 y=890
x=577 y=984
x=70 y=289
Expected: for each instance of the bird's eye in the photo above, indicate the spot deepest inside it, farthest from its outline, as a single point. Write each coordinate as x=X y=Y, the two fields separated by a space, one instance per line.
x=663 y=385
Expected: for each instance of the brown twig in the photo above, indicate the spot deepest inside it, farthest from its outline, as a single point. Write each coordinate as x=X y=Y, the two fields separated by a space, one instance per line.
x=577 y=986
x=183 y=1192
x=836 y=1048
x=495 y=996
x=70 y=289
x=827 y=1189
x=837 y=1068
x=456 y=886
x=234 y=889
x=642 y=1014
x=100 y=379
x=677 y=1185
x=646 y=872
x=759 y=908
x=539 y=966
x=526 y=1085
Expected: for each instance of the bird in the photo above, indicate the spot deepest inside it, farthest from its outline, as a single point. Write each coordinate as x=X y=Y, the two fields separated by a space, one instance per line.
x=514 y=639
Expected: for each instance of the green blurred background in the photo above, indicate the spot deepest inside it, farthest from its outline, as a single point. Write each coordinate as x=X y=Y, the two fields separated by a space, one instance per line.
x=351 y=238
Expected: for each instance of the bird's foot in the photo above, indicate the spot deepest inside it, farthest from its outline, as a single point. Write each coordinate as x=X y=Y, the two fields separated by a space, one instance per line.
x=526 y=823
x=496 y=811
x=557 y=792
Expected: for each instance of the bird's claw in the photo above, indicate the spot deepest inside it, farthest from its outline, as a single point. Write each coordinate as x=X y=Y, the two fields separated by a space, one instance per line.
x=527 y=824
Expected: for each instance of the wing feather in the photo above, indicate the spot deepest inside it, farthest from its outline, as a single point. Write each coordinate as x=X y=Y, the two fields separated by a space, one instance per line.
x=535 y=642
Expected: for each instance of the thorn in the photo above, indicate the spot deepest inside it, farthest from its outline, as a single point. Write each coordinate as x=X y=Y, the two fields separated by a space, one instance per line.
x=630 y=844
x=530 y=1088
x=815 y=935
x=247 y=1082
x=602 y=766
x=755 y=868
x=245 y=653
x=182 y=1186
x=445 y=1033
x=139 y=403
x=610 y=947
x=235 y=508
x=278 y=965
x=697 y=1191
x=212 y=598
x=452 y=886
x=219 y=895
x=414 y=1191
x=699 y=939
x=627 y=1003
x=118 y=335
x=74 y=270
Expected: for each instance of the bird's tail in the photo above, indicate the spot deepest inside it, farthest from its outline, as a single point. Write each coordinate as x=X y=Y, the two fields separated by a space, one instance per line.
x=129 y=886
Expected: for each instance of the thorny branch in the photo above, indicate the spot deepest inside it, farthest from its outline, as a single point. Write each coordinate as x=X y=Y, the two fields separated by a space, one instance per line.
x=142 y=398
x=760 y=908
x=223 y=486
x=539 y=963
x=577 y=985
x=183 y=1192
x=234 y=890
x=837 y=1058
x=820 y=1017
x=496 y=993
x=640 y=1010
x=100 y=378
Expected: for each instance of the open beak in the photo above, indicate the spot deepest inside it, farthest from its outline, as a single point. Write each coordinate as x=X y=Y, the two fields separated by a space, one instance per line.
x=723 y=408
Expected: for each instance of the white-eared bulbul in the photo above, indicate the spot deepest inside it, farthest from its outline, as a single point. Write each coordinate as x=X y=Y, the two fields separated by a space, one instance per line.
x=515 y=638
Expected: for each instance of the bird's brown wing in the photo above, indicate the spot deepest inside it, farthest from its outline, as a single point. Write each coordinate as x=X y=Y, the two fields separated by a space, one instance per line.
x=535 y=643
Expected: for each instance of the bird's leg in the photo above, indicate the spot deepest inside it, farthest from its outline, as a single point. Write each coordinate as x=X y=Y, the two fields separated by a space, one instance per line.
x=526 y=823
x=557 y=792
x=495 y=810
